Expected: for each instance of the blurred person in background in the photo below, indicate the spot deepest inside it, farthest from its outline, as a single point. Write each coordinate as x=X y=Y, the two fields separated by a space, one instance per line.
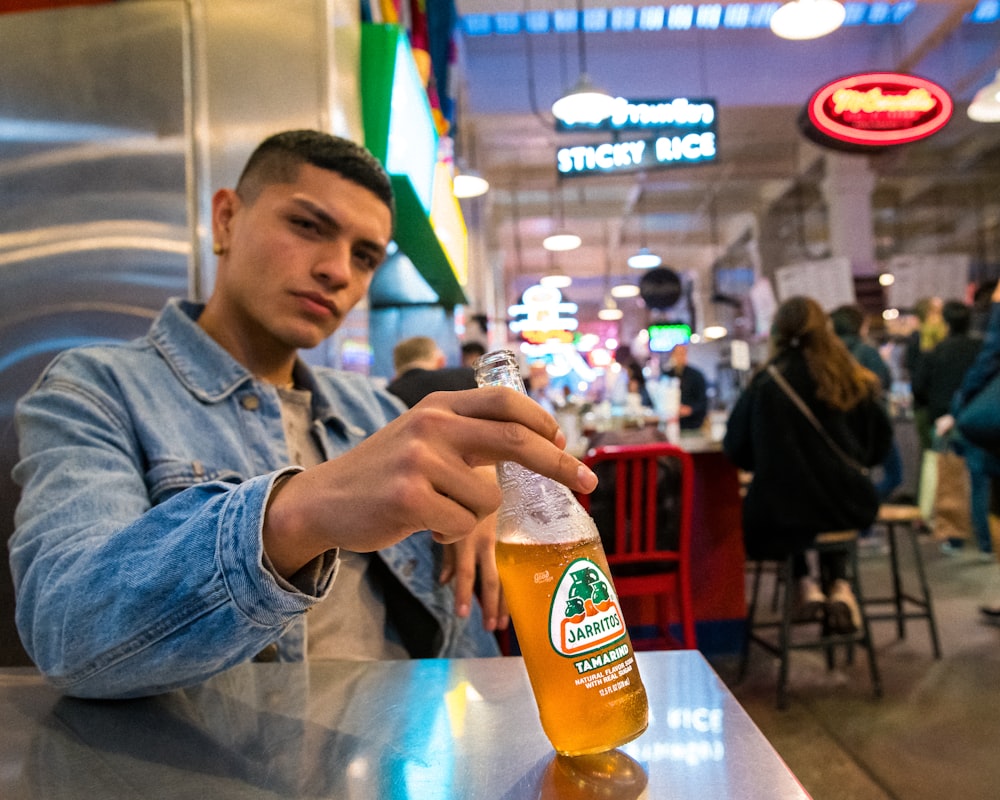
x=694 y=389
x=930 y=331
x=421 y=368
x=801 y=486
x=938 y=376
x=471 y=353
x=984 y=467
x=849 y=324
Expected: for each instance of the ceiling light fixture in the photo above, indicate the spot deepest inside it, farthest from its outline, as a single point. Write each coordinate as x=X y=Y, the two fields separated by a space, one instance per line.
x=625 y=290
x=469 y=183
x=644 y=258
x=584 y=104
x=561 y=240
x=807 y=19
x=985 y=106
x=610 y=312
x=556 y=280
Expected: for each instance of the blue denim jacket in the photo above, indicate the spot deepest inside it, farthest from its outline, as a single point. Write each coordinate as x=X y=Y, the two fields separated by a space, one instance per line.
x=145 y=469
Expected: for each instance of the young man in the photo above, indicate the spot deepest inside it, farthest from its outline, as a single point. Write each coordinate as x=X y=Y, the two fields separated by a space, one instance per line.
x=188 y=497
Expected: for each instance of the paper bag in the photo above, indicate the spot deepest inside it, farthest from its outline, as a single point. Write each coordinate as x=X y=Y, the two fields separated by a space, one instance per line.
x=928 y=484
x=951 y=517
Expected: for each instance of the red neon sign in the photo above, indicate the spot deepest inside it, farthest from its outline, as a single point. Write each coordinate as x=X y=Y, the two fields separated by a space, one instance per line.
x=880 y=108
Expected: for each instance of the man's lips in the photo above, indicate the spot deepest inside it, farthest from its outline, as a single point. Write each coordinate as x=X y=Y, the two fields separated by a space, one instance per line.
x=317 y=303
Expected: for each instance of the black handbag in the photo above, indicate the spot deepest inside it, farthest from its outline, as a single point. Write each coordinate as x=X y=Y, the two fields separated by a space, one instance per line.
x=979 y=419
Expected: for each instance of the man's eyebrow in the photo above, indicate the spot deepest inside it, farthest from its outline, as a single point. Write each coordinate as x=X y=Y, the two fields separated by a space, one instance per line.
x=316 y=211
x=325 y=218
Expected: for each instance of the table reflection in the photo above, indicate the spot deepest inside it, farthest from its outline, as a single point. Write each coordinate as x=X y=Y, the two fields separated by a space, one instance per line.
x=388 y=730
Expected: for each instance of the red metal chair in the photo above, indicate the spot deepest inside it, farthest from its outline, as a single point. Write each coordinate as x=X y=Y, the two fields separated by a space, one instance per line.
x=647 y=539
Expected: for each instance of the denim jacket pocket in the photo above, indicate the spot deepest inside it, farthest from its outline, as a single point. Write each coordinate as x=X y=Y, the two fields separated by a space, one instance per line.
x=168 y=477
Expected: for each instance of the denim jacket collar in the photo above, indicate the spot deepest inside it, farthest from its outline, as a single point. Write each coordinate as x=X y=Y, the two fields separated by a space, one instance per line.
x=206 y=369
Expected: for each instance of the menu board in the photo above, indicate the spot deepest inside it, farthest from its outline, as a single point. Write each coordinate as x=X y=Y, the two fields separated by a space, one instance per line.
x=919 y=276
x=828 y=281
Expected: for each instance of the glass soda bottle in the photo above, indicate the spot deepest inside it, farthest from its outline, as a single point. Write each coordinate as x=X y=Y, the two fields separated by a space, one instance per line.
x=563 y=604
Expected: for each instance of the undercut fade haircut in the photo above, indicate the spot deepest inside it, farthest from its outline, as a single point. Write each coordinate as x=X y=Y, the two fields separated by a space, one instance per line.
x=277 y=160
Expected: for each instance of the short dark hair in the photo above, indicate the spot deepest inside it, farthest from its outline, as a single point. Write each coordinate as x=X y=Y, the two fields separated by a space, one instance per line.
x=957 y=316
x=847 y=320
x=277 y=160
x=473 y=349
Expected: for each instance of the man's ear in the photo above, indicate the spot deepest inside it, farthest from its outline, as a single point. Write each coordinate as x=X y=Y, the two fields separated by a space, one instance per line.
x=224 y=205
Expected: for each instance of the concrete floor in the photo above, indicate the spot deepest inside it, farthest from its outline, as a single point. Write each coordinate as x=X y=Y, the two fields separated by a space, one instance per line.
x=934 y=733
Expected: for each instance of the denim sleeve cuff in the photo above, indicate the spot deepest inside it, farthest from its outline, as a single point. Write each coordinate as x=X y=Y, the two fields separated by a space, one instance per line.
x=256 y=589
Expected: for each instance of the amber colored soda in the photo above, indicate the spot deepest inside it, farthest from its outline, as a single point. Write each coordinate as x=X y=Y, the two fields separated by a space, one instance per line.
x=592 y=699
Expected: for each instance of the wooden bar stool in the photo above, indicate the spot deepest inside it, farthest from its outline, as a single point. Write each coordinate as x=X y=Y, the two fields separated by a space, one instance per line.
x=903 y=604
x=820 y=638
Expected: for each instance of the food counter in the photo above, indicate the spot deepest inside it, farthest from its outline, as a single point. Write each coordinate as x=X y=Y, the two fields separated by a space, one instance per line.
x=717 y=554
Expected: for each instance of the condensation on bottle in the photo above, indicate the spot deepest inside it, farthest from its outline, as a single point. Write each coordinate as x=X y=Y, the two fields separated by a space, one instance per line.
x=563 y=604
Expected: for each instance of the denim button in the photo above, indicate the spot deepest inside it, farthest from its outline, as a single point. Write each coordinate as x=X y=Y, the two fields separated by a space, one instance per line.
x=250 y=402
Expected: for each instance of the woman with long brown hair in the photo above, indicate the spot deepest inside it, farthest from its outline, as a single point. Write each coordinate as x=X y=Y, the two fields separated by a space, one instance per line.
x=809 y=463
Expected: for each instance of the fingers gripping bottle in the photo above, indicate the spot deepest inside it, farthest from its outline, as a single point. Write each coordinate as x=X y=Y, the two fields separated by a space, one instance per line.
x=566 y=613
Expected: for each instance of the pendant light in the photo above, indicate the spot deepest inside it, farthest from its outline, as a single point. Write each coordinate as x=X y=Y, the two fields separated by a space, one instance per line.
x=609 y=312
x=561 y=239
x=807 y=19
x=584 y=104
x=985 y=106
x=469 y=183
x=555 y=278
x=643 y=258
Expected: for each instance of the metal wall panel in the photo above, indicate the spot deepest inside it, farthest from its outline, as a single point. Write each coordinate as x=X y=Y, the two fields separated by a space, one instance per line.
x=94 y=231
x=117 y=123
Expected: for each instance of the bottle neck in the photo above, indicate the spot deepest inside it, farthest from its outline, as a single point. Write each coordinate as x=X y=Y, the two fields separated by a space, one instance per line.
x=500 y=368
x=533 y=507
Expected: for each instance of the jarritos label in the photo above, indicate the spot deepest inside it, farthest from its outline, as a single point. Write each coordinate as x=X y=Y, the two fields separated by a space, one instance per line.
x=880 y=108
x=584 y=615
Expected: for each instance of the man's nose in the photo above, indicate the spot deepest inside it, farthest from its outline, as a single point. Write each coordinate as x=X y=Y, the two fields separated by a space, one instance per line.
x=334 y=263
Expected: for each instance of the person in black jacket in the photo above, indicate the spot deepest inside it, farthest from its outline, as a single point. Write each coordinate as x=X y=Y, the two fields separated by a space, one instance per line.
x=801 y=486
x=984 y=467
x=938 y=377
x=694 y=389
x=940 y=372
x=848 y=323
x=420 y=370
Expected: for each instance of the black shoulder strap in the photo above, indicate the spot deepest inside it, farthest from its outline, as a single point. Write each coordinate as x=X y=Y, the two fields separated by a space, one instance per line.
x=808 y=414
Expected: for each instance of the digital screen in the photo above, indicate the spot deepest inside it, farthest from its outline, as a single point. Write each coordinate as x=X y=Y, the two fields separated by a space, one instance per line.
x=664 y=337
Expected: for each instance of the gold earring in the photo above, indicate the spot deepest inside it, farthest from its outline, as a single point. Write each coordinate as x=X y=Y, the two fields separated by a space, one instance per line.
x=218 y=249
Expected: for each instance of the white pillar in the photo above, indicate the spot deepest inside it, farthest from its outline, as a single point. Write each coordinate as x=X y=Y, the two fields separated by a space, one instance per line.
x=847 y=188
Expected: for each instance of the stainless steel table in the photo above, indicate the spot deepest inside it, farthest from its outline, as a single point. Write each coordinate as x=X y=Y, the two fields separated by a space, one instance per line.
x=390 y=730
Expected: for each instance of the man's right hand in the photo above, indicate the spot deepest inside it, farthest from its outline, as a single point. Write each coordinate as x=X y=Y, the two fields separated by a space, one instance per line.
x=418 y=473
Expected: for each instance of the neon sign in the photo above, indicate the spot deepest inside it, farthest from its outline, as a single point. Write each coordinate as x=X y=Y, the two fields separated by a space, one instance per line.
x=678 y=112
x=877 y=110
x=645 y=134
x=541 y=312
x=636 y=154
